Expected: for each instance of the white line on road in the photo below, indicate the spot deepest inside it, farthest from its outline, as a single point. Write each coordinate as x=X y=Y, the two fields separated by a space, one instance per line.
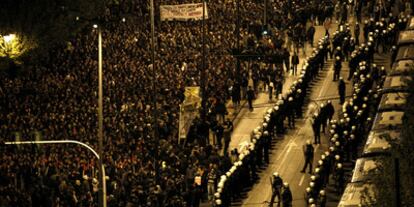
x=322 y=91
x=301 y=180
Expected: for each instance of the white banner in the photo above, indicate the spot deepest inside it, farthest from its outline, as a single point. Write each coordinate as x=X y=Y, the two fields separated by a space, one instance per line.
x=182 y=12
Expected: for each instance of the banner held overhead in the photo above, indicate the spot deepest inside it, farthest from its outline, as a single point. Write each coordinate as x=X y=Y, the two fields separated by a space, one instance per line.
x=183 y=12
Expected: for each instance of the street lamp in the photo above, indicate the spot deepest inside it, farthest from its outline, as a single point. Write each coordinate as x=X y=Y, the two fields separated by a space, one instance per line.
x=7 y=47
x=102 y=188
x=203 y=78
x=154 y=90
x=9 y=38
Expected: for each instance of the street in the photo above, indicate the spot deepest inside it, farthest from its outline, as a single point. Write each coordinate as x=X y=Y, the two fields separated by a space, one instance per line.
x=286 y=155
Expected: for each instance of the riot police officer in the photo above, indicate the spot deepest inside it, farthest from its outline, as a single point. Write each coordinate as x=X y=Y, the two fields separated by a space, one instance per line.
x=308 y=152
x=277 y=184
x=286 y=196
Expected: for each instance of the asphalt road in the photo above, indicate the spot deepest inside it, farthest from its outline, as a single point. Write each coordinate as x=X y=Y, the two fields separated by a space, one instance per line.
x=287 y=156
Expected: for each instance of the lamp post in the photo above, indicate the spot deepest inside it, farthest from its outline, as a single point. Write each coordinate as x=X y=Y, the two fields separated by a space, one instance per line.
x=102 y=184
x=238 y=66
x=154 y=90
x=265 y=15
x=203 y=77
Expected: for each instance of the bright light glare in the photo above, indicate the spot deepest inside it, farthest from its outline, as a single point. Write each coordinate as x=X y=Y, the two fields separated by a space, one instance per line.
x=123 y=19
x=95 y=26
x=9 y=38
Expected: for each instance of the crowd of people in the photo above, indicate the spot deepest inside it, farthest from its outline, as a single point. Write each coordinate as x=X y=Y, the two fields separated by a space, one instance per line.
x=346 y=133
x=355 y=119
x=55 y=99
x=287 y=108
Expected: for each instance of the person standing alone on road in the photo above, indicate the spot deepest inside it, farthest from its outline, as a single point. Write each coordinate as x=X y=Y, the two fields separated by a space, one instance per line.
x=311 y=34
x=308 y=152
x=250 y=97
x=295 y=62
x=316 y=127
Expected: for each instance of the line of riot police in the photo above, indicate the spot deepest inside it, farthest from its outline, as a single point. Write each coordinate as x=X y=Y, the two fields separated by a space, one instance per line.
x=354 y=122
x=243 y=173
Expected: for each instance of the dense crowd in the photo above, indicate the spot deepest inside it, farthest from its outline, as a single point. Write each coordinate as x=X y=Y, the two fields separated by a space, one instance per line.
x=345 y=134
x=56 y=99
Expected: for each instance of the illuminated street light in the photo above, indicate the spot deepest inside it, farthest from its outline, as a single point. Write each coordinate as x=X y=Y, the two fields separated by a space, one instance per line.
x=95 y=26
x=9 y=38
x=11 y=46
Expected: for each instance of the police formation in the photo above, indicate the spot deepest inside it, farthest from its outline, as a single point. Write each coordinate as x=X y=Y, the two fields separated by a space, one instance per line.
x=244 y=172
x=355 y=117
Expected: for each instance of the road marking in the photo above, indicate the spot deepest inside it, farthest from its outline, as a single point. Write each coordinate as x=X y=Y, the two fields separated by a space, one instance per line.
x=301 y=180
x=259 y=190
x=324 y=84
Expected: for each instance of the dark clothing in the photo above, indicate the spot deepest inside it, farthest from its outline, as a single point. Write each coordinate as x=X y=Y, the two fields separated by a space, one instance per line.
x=219 y=134
x=250 y=97
x=276 y=188
x=337 y=70
x=316 y=126
x=295 y=62
x=330 y=111
x=341 y=91
x=287 y=198
x=311 y=34
x=308 y=152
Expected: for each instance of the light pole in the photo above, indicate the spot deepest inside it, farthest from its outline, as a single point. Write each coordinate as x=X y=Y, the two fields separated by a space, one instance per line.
x=203 y=77
x=154 y=90
x=238 y=66
x=265 y=15
x=102 y=185
x=101 y=167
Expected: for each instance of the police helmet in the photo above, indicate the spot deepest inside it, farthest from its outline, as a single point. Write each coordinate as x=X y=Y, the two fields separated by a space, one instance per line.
x=311 y=201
